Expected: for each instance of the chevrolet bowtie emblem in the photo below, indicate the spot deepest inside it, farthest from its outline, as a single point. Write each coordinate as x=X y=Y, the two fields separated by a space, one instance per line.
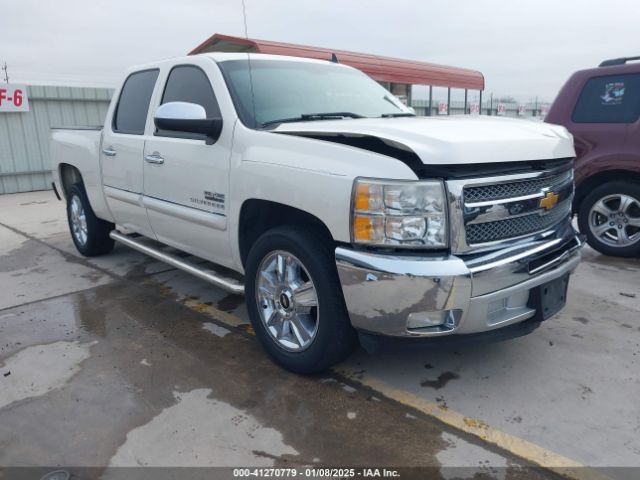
x=549 y=200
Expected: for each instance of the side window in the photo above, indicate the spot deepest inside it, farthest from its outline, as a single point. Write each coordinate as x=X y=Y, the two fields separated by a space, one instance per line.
x=188 y=83
x=609 y=99
x=133 y=104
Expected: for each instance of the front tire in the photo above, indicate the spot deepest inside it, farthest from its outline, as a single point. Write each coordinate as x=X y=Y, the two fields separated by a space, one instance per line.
x=610 y=218
x=295 y=300
x=89 y=233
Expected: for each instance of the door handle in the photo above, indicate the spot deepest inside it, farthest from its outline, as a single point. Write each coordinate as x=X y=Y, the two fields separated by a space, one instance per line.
x=155 y=157
x=109 y=152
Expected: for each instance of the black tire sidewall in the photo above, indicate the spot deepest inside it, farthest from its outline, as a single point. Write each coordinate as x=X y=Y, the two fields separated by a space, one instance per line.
x=611 y=188
x=335 y=337
x=98 y=240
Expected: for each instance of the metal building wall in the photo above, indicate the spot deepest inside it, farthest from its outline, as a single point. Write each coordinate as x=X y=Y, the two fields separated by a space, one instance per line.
x=24 y=137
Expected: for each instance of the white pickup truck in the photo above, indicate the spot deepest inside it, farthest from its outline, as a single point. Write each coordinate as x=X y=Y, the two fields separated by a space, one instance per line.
x=331 y=206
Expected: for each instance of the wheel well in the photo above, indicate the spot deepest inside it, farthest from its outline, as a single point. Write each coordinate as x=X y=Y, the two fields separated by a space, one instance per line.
x=258 y=216
x=589 y=183
x=68 y=176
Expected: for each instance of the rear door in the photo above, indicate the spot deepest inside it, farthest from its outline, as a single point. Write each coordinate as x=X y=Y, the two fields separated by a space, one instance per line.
x=122 y=151
x=186 y=184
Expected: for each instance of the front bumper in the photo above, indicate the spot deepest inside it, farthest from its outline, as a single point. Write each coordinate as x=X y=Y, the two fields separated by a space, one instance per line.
x=422 y=296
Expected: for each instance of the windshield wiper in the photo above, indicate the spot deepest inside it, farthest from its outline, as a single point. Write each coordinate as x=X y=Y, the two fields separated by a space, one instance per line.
x=394 y=115
x=307 y=117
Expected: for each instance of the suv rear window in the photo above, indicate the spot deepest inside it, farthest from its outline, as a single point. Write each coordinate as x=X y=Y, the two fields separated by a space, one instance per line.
x=133 y=104
x=609 y=99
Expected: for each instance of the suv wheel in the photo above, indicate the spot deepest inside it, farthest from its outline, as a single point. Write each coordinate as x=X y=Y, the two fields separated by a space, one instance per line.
x=295 y=301
x=610 y=218
x=90 y=234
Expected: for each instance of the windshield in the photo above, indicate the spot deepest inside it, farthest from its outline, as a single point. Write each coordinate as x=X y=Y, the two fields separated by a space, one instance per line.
x=289 y=90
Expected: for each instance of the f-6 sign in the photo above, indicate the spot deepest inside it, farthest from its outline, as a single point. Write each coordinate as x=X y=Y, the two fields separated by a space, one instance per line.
x=13 y=98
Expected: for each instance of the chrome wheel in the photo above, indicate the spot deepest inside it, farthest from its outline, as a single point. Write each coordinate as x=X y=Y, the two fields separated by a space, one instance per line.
x=287 y=301
x=615 y=220
x=78 y=221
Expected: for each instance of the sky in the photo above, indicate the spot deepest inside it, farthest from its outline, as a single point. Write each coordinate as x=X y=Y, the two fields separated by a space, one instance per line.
x=524 y=48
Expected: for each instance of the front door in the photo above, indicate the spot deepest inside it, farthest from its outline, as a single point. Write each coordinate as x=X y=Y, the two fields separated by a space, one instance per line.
x=122 y=151
x=186 y=179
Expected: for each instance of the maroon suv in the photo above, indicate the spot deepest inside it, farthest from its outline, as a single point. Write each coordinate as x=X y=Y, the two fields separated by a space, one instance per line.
x=601 y=108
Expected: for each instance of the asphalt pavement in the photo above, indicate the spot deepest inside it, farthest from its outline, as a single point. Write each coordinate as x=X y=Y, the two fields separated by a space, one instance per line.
x=122 y=361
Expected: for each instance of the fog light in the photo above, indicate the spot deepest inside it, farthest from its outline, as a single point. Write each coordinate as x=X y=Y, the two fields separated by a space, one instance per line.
x=446 y=319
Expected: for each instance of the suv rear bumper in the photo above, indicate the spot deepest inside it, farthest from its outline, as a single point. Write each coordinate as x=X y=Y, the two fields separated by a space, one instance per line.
x=425 y=296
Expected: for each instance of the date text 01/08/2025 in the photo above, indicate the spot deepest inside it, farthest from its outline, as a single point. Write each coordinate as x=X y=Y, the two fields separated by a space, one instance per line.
x=316 y=472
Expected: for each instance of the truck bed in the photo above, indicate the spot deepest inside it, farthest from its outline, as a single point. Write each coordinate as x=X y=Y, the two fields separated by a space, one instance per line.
x=79 y=147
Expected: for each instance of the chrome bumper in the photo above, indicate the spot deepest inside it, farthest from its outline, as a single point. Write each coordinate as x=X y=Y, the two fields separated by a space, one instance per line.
x=420 y=296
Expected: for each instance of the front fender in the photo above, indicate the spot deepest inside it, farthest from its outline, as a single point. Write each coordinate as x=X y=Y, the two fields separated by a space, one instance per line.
x=324 y=195
x=314 y=176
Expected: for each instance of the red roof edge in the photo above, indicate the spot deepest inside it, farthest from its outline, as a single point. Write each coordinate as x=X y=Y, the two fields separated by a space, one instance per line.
x=385 y=69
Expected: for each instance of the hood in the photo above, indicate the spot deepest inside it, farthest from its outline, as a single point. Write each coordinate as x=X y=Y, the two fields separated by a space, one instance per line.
x=450 y=140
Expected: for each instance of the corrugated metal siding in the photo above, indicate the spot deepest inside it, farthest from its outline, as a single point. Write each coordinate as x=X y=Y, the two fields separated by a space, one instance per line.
x=24 y=137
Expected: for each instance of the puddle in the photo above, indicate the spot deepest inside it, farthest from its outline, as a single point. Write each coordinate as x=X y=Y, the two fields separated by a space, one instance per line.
x=237 y=407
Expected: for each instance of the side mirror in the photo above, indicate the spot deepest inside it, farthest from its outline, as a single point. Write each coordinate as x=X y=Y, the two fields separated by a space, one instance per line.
x=188 y=118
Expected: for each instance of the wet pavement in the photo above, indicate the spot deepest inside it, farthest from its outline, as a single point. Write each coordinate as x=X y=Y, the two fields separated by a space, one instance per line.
x=122 y=361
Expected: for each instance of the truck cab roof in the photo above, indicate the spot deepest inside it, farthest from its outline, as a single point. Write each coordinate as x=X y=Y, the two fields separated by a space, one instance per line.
x=220 y=57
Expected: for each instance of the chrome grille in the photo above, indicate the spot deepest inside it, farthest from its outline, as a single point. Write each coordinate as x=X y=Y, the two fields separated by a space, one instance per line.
x=504 y=208
x=516 y=226
x=500 y=191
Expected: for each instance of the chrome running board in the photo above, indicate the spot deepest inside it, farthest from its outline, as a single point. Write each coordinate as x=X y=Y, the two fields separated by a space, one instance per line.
x=138 y=243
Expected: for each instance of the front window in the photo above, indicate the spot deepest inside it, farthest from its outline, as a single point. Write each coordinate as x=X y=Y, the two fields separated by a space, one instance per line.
x=268 y=91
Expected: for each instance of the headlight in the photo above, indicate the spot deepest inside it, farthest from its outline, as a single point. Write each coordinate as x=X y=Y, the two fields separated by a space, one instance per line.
x=401 y=214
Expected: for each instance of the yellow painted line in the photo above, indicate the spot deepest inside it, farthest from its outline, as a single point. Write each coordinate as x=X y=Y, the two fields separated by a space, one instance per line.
x=209 y=310
x=219 y=315
x=519 y=447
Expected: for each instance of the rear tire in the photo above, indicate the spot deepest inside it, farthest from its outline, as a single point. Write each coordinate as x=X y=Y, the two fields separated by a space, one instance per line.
x=89 y=233
x=300 y=316
x=610 y=218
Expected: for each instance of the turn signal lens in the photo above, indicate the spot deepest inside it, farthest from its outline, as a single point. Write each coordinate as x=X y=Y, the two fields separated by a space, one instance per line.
x=368 y=197
x=367 y=228
x=362 y=197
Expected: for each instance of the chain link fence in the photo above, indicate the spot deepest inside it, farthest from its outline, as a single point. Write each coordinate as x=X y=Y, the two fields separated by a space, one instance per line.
x=531 y=110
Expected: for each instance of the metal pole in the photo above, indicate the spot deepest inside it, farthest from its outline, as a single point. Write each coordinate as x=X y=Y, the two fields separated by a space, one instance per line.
x=448 y=100
x=465 y=101
x=430 y=100
x=491 y=105
x=480 y=109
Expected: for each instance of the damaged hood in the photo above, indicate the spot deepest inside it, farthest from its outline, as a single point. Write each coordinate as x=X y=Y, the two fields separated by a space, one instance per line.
x=449 y=140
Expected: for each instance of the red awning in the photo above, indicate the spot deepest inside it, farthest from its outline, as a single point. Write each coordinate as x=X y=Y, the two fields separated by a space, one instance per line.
x=383 y=69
